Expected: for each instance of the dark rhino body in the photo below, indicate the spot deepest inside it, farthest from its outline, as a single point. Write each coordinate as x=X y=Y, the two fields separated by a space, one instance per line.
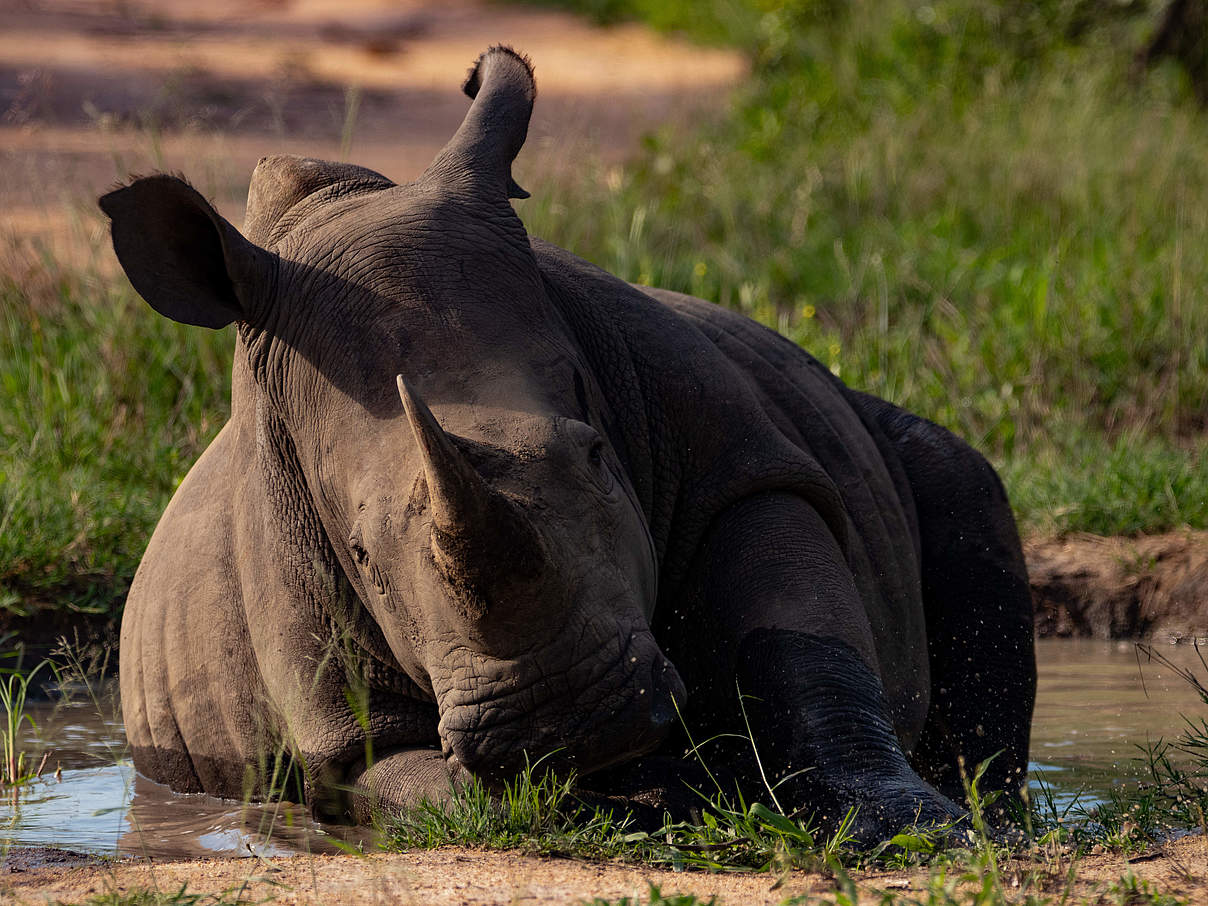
x=585 y=508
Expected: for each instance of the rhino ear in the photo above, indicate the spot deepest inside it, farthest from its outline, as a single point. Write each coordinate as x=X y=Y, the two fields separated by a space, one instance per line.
x=480 y=154
x=181 y=256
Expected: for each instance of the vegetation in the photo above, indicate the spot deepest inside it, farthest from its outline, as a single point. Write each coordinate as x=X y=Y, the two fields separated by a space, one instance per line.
x=106 y=407
x=1172 y=793
x=179 y=897
x=14 y=689
x=979 y=209
x=541 y=815
x=1038 y=865
x=655 y=898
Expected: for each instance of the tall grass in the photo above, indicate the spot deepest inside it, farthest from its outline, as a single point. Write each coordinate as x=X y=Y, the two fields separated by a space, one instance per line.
x=106 y=405
x=1171 y=794
x=14 y=689
x=972 y=208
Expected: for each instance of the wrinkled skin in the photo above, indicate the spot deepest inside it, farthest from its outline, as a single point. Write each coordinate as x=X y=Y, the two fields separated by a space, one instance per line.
x=479 y=502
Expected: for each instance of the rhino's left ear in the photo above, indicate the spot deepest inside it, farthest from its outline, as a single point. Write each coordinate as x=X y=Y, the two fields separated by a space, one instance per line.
x=479 y=156
x=188 y=262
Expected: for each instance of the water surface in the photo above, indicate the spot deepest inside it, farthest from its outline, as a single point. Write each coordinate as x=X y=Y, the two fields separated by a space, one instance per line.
x=1097 y=702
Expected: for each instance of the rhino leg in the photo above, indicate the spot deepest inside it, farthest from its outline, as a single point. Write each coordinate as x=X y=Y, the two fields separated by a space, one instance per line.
x=977 y=602
x=787 y=625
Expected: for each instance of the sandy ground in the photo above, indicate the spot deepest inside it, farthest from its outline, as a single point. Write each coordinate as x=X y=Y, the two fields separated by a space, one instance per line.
x=93 y=90
x=453 y=876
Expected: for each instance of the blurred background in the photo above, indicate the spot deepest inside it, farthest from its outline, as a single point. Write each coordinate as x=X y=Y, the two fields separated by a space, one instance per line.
x=993 y=212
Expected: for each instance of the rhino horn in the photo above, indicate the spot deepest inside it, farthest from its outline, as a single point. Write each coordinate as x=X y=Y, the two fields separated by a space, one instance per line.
x=457 y=494
x=481 y=152
x=481 y=542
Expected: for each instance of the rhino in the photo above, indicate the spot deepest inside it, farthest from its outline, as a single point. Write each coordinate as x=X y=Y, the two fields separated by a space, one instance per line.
x=481 y=503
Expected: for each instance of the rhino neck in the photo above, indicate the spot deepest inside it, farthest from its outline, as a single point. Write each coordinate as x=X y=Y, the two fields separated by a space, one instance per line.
x=594 y=306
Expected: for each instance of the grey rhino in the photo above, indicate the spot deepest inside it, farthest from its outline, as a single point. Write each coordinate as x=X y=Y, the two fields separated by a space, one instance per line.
x=479 y=501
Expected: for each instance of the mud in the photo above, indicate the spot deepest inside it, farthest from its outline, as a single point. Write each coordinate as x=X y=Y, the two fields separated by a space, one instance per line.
x=1109 y=588
x=456 y=876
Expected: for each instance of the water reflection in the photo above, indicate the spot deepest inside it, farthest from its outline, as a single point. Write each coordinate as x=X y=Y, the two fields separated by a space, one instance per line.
x=1098 y=704
x=1097 y=701
x=99 y=803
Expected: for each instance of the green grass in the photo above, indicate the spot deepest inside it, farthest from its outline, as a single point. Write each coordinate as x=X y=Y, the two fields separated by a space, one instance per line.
x=971 y=208
x=106 y=406
x=179 y=897
x=655 y=897
x=1129 y=486
x=974 y=208
x=14 y=689
x=538 y=814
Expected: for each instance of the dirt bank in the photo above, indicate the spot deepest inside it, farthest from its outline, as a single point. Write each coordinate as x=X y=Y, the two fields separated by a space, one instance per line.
x=453 y=876
x=91 y=91
x=1149 y=587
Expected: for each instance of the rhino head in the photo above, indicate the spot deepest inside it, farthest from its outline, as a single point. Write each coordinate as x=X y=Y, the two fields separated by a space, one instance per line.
x=416 y=392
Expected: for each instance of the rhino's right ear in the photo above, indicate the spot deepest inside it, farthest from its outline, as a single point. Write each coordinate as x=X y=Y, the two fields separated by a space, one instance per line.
x=181 y=256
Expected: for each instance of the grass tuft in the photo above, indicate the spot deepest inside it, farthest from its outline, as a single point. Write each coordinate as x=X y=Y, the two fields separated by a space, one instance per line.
x=655 y=897
x=15 y=771
x=537 y=812
x=179 y=897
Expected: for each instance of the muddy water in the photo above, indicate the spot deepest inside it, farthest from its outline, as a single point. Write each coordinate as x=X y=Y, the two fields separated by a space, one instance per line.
x=91 y=799
x=1097 y=702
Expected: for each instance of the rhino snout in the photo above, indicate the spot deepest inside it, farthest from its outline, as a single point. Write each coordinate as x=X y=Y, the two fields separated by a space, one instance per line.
x=585 y=731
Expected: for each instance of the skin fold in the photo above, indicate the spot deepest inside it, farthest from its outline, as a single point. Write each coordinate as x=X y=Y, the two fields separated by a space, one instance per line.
x=480 y=503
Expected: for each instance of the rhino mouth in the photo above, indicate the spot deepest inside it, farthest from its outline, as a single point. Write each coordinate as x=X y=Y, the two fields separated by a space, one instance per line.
x=576 y=718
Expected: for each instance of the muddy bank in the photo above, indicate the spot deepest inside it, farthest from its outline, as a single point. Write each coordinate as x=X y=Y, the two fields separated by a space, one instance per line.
x=457 y=876
x=1153 y=587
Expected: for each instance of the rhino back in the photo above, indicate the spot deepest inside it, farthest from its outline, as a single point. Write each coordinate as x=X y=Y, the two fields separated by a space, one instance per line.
x=809 y=405
x=724 y=408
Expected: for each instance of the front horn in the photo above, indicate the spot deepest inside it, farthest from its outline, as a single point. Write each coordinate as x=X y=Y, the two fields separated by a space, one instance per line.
x=482 y=543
